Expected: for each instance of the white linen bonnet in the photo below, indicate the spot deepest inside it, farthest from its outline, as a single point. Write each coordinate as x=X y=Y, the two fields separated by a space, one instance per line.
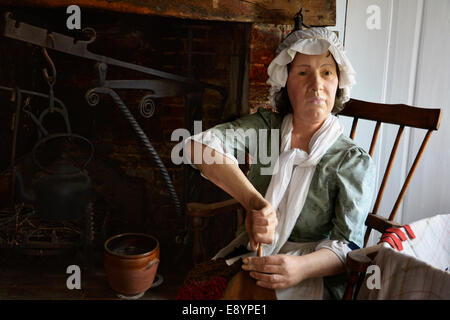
x=311 y=41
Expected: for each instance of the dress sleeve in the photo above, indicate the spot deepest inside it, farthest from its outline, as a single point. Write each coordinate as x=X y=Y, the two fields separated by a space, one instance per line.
x=355 y=185
x=234 y=139
x=210 y=139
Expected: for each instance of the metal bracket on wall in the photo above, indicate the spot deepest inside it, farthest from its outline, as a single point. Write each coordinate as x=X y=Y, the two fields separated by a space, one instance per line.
x=158 y=88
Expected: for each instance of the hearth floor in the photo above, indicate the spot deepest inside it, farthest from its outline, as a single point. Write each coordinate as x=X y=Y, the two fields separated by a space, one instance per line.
x=44 y=278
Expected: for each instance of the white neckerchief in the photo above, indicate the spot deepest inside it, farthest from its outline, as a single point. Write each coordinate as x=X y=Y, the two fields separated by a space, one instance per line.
x=289 y=186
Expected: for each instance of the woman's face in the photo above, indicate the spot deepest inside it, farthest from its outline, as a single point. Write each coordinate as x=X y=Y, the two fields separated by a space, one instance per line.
x=312 y=83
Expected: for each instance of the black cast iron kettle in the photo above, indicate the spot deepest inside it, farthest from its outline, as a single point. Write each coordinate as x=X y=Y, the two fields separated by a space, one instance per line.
x=62 y=191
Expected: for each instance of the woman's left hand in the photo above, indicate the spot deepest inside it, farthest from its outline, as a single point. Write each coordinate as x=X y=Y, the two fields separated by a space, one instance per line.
x=275 y=272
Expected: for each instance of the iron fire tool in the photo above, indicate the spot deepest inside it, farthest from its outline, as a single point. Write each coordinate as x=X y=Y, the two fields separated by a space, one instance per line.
x=59 y=42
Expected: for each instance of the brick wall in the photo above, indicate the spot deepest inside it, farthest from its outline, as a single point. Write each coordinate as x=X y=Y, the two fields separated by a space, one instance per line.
x=265 y=38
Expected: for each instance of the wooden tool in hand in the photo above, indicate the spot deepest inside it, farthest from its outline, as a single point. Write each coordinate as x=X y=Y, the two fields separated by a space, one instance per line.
x=244 y=287
x=260 y=252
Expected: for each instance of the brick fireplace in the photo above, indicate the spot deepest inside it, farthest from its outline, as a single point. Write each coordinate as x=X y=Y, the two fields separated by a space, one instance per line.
x=223 y=44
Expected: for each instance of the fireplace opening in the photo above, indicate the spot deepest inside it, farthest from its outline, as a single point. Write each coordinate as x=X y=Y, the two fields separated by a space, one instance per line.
x=129 y=193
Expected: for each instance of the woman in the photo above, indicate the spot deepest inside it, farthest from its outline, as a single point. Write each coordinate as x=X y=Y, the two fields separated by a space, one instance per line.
x=316 y=202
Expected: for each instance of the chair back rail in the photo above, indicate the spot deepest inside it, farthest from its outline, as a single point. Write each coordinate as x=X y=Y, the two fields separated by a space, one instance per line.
x=400 y=114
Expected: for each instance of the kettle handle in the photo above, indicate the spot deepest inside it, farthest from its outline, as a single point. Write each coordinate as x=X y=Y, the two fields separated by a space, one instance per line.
x=61 y=135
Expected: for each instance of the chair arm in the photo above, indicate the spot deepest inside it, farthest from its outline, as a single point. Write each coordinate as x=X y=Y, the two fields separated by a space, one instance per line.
x=379 y=223
x=356 y=263
x=358 y=260
x=197 y=209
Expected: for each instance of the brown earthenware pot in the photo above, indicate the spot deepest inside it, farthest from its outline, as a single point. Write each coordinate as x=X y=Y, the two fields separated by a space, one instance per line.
x=131 y=261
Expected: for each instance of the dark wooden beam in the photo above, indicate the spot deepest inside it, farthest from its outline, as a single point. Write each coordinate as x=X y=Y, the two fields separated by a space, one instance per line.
x=315 y=12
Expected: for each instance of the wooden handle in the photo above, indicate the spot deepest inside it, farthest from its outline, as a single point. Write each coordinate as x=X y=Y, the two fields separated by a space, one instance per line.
x=260 y=252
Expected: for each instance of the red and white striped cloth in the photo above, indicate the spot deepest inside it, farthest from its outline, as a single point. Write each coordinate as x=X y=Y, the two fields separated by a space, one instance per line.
x=418 y=268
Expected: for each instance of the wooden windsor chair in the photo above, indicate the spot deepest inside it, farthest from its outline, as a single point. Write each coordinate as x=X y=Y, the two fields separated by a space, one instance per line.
x=404 y=116
x=357 y=260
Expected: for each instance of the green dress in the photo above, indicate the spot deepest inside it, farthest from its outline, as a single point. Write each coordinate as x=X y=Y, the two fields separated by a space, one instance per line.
x=339 y=196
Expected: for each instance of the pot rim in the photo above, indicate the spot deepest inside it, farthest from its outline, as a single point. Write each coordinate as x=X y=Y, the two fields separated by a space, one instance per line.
x=132 y=256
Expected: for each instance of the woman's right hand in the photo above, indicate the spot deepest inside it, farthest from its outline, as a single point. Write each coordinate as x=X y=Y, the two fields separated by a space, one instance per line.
x=260 y=222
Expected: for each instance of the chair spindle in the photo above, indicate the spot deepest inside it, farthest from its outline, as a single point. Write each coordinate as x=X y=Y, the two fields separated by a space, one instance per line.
x=410 y=174
x=385 y=178
x=374 y=138
x=354 y=124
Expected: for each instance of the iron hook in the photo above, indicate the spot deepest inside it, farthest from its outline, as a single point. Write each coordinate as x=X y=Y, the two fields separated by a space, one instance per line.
x=50 y=79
